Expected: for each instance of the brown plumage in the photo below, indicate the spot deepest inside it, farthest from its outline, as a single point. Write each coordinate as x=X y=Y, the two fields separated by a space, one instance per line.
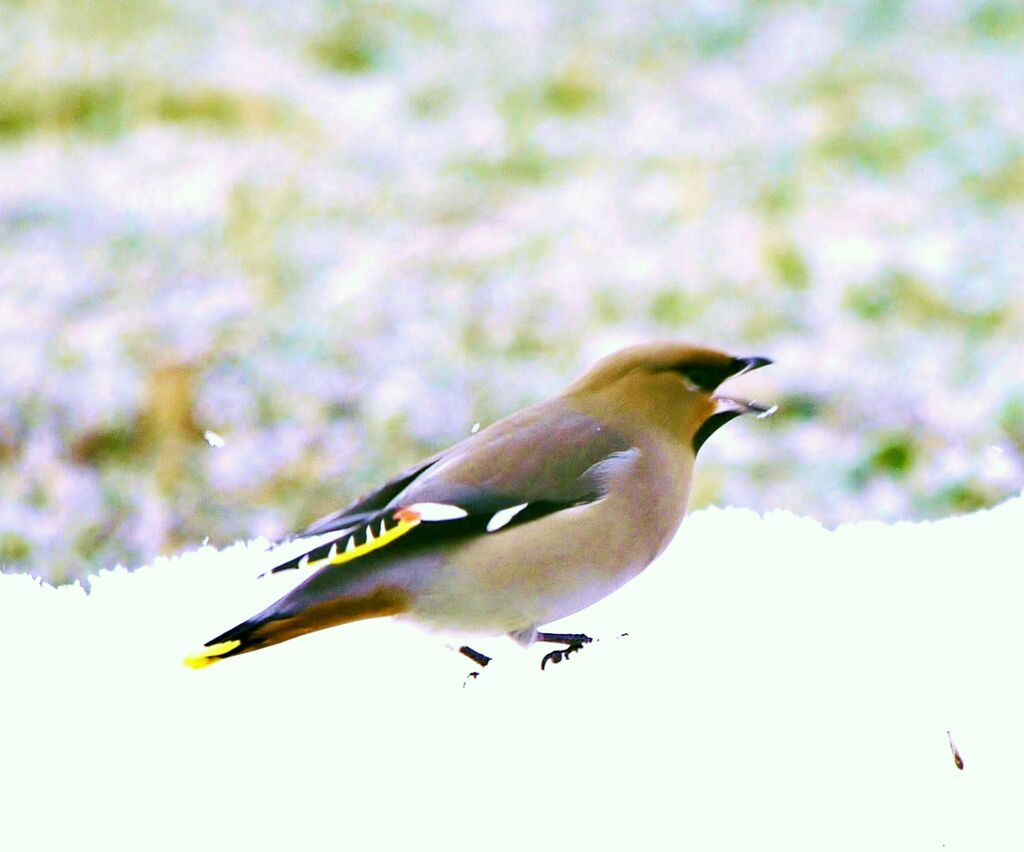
x=527 y=521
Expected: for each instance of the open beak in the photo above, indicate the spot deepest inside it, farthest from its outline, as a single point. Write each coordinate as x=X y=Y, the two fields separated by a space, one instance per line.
x=736 y=407
x=743 y=406
x=728 y=407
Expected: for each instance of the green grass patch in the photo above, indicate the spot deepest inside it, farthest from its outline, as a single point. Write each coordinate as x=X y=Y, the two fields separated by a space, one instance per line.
x=893 y=457
x=798 y=407
x=713 y=40
x=524 y=165
x=1011 y=420
x=112 y=21
x=899 y=295
x=879 y=151
x=788 y=265
x=356 y=44
x=117 y=445
x=362 y=36
x=778 y=197
x=608 y=306
x=112 y=106
x=879 y=19
x=575 y=90
x=959 y=498
x=14 y=548
x=1002 y=20
x=1003 y=185
x=674 y=308
x=432 y=102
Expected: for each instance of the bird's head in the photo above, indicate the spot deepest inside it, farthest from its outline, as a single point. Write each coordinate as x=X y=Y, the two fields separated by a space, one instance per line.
x=668 y=386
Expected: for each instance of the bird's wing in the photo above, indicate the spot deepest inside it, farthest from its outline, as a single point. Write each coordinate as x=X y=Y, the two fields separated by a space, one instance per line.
x=368 y=506
x=522 y=468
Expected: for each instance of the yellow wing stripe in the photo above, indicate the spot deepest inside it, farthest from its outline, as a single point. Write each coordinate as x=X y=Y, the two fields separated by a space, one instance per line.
x=350 y=550
x=211 y=655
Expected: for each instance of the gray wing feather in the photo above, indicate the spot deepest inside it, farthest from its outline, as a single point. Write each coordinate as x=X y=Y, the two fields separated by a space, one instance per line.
x=547 y=454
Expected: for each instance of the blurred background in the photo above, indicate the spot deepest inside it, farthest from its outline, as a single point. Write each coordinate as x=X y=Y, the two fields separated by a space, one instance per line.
x=336 y=235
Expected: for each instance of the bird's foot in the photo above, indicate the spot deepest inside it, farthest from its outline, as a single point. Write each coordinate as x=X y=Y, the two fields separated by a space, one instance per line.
x=573 y=642
x=478 y=658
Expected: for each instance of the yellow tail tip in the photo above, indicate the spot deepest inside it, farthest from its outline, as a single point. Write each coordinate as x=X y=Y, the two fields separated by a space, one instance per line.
x=211 y=655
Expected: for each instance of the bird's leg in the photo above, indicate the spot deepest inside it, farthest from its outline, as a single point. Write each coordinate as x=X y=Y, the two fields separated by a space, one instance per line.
x=478 y=658
x=572 y=641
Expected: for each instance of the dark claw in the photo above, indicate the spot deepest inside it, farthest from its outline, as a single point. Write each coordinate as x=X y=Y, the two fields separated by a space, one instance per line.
x=551 y=657
x=561 y=654
x=573 y=642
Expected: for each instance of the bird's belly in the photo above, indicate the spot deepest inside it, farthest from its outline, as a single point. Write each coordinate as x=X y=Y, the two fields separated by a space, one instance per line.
x=529 y=579
x=492 y=609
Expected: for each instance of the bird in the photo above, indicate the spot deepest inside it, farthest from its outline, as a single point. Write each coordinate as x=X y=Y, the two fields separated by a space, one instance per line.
x=522 y=523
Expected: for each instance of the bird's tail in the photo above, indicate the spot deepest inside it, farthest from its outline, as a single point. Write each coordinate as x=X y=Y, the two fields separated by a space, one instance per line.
x=325 y=598
x=295 y=614
x=247 y=636
x=212 y=653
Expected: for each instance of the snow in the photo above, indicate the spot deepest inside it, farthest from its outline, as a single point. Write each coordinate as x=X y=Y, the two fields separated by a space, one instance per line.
x=767 y=683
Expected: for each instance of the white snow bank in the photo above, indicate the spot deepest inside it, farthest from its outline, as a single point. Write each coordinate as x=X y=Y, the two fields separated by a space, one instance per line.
x=781 y=686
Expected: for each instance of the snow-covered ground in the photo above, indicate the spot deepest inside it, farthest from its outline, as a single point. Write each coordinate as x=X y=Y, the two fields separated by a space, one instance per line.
x=767 y=684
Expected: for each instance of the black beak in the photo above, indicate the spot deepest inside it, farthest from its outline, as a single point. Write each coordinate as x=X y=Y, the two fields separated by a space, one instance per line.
x=755 y=363
x=729 y=408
